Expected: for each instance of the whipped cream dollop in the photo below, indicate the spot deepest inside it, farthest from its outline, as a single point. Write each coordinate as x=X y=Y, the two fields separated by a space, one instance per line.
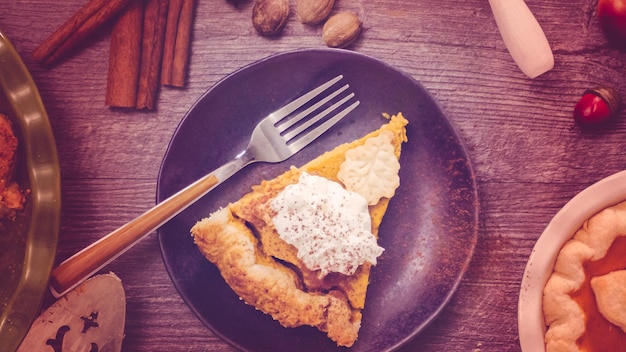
x=329 y=226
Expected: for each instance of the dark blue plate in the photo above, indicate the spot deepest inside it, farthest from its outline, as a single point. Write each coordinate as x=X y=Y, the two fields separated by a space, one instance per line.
x=429 y=231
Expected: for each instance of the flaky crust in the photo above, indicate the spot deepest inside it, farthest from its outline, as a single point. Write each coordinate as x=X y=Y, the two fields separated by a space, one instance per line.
x=269 y=286
x=564 y=317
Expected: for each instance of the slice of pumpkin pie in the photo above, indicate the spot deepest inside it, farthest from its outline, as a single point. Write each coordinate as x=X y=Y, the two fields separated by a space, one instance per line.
x=300 y=246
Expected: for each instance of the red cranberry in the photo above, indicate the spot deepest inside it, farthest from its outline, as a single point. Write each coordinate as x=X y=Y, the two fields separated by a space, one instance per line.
x=597 y=106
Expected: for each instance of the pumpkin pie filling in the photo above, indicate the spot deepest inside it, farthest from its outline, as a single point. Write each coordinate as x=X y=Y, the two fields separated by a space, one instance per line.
x=600 y=334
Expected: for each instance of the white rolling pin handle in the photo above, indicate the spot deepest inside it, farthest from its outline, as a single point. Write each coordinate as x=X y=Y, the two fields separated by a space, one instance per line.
x=523 y=36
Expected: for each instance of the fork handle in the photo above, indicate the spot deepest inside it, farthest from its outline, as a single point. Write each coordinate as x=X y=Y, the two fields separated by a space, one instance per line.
x=88 y=261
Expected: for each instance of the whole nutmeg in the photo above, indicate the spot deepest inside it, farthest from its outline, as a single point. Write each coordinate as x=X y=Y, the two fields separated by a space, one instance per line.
x=341 y=29
x=313 y=11
x=270 y=16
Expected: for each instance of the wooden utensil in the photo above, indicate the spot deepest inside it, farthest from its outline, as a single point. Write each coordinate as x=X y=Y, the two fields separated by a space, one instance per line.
x=89 y=318
x=523 y=36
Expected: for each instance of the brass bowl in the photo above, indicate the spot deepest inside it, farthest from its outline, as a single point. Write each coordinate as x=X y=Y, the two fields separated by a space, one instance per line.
x=27 y=244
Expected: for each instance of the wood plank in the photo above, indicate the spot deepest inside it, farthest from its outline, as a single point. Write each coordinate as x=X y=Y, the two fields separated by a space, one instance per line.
x=528 y=156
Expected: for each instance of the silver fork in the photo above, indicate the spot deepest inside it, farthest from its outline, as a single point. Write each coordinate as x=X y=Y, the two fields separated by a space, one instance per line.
x=276 y=138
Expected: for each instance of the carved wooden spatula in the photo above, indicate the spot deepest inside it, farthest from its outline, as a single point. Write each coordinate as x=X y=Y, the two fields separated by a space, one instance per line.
x=90 y=318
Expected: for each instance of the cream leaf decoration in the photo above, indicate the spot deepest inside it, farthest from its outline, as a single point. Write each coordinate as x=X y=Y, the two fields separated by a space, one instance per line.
x=371 y=169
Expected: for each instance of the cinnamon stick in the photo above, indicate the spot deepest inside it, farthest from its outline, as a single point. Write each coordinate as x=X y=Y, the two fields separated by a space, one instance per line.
x=84 y=22
x=173 y=16
x=177 y=43
x=125 y=57
x=155 y=18
x=183 y=44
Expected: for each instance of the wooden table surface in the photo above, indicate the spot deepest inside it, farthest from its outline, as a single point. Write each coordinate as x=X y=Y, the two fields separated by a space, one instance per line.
x=528 y=157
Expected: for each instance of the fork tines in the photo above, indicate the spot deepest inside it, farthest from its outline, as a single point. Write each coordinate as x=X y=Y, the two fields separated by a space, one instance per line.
x=311 y=110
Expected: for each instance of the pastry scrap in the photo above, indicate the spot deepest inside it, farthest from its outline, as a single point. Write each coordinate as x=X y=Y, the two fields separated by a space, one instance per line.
x=11 y=196
x=610 y=292
x=584 y=300
x=300 y=247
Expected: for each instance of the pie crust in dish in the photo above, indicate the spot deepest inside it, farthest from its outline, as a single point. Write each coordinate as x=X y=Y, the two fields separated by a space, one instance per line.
x=266 y=272
x=584 y=300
